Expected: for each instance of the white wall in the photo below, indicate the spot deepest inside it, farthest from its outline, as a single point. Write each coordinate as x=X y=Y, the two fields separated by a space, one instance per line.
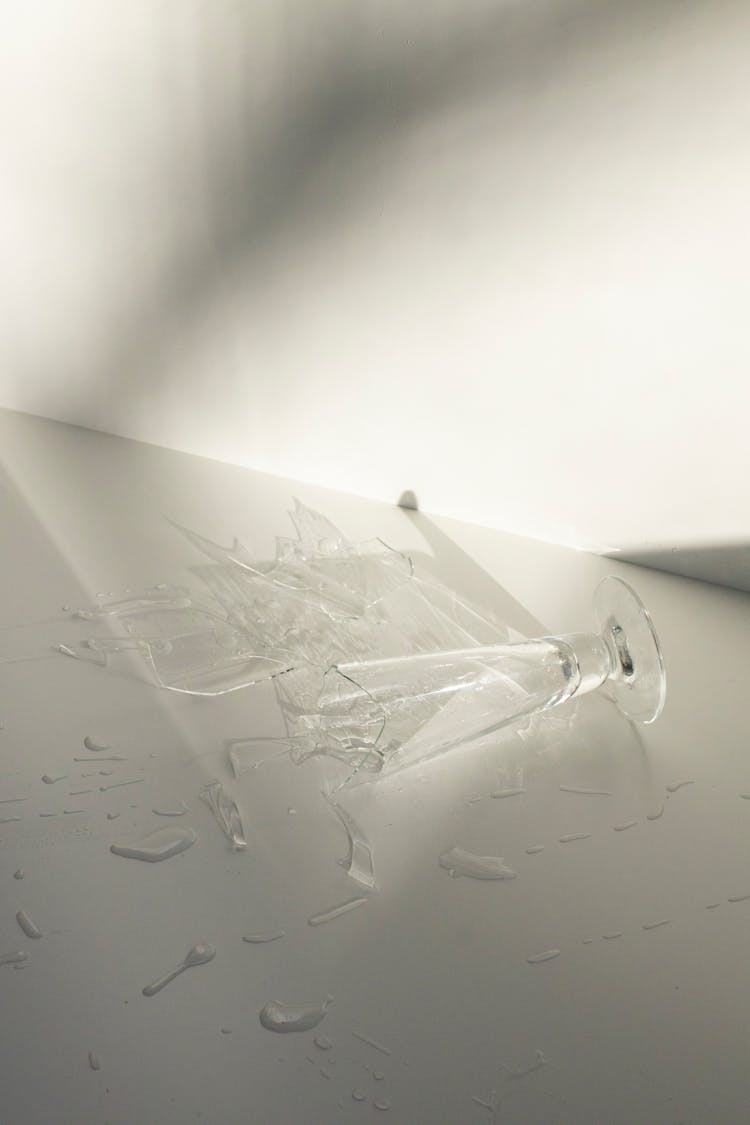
x=493 y=252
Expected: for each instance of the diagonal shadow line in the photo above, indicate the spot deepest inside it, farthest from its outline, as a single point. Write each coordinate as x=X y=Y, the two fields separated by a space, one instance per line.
x=462 y=573
x=341 y=103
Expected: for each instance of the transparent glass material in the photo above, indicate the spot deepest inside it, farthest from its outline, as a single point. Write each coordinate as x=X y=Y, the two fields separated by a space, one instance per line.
x=322 y=599
x=394 y=712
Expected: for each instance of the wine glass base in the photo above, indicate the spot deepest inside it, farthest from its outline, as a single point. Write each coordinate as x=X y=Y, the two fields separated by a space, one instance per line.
x=637 y=682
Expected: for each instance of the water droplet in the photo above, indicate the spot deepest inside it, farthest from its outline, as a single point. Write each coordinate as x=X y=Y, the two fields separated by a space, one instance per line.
x=120 y=784
x=547 y=955
x=378 y=1075
x=226 y=813
x=157 y=846
x=172 y=812
x=79 y=792
x=656 y=925
x=499 y=794
x=656 y=814
x=372 y=1043
x=27 y=924
x=359 y=1095
x=571 y=836
x=323 y=1042
x=585 y=792
x=113 y=815
x=50 y=779
x=625 y=825
x=93 y=744
x=12 y=800
x=535 y=849
x=382 y=1104
x=263 y=936
x=19 y=874
x=225 y=1030
x=738 y=898
x=94 y=1061
x=200 y=954
x=612 y=935
x=9 y=819
x=15 y=958
x=275 y=1016
x=713 y=905
x=108 y=758
x=72 y=812
x=458 y=862
x=675 y=785
x=291 y=811
x=335 y=911
x=587 y=941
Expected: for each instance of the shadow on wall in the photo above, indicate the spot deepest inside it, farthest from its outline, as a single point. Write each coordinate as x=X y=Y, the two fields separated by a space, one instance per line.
x=344 y=80
x=726 y=564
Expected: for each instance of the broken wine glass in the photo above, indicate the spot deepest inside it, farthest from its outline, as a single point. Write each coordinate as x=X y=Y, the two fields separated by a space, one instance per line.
x=392 y=713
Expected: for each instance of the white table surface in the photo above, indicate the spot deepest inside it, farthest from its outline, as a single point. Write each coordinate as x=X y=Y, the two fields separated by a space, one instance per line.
x=650 y=1026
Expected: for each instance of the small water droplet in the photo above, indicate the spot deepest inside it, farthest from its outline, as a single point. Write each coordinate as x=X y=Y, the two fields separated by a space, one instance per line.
x=335 y=911
x=19 y=874
x=172 y=812
x=200 y=954
x=500 y=794
x=587 y=941
x=323 y=1042
x=16 y=958
x=378 y=1075
x=624 y=825
x=547 y=955
x=656 y=814
x=675 y=785
x=120 y=784
x=656 y=925
x=28 y=925
x=276 y=1016
x=291 y=811
x=612 y=935
x=382 y=1104
x=94 y=744
x=738 y=898
x=157 y=846
x=585 y=792
x=263 y=936
x=359 y=1095
x=535 y=849
x=571 y=836
x=372 y=1043
x=102 y=758
x=94 y=1061
x=50 y=779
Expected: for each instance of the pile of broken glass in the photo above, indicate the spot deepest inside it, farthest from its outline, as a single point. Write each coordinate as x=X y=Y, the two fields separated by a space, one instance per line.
x=322 y=601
